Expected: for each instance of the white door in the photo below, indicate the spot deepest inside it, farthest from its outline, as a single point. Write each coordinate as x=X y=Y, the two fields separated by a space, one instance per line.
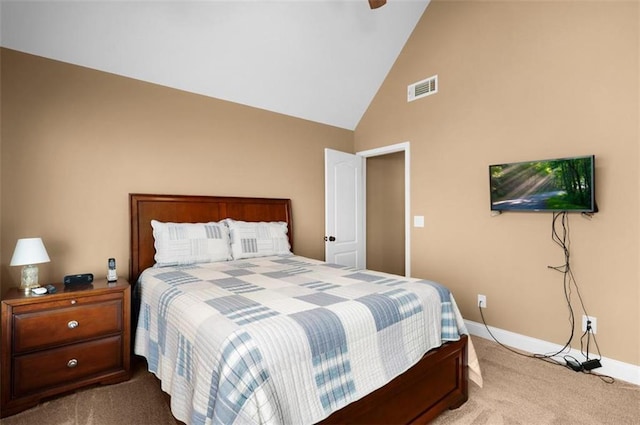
x=344 y=209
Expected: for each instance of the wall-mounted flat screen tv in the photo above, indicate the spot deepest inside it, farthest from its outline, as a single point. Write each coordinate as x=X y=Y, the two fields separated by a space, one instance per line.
x=562 y=184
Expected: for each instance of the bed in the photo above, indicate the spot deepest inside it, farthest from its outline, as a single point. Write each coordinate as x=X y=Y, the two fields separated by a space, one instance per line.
x=262 y=384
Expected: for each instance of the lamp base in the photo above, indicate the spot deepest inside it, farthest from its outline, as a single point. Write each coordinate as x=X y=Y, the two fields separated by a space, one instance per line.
x=29 y=278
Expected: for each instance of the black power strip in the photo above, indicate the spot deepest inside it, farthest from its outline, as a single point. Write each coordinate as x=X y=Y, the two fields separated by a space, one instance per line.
x=588 y=365
x=591 y=364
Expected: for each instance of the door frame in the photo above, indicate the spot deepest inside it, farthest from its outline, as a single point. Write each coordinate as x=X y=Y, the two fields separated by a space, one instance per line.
x=384 y=150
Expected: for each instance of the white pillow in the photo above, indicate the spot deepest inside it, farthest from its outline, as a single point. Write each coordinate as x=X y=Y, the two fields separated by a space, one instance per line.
x=190 y=243
x=258 y=239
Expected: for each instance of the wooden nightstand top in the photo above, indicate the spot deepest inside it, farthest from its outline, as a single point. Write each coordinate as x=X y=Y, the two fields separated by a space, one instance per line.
x=17 y=296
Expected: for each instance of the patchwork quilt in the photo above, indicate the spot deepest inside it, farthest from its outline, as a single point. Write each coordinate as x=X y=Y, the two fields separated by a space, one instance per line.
x=283 y=339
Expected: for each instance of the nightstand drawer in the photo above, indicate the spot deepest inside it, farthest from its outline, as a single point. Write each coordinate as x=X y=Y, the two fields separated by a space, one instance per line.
x=45 y=369
x=51 y=328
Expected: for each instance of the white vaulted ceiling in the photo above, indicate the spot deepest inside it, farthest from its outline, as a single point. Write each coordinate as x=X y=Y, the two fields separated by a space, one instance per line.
x=320 y=60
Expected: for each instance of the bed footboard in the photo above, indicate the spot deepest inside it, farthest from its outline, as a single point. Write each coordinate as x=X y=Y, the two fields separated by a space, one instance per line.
x=437 y=383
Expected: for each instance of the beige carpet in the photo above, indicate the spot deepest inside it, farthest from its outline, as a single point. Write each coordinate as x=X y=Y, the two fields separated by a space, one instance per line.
x=139 y=401
x=517 y=390
x=522 y=390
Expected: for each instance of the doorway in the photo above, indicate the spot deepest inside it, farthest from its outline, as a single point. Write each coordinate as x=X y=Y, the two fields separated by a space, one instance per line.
x=385 y=213
x=395 y=159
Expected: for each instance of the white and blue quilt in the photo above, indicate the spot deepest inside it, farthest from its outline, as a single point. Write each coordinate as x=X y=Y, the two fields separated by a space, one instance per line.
x=283 y=339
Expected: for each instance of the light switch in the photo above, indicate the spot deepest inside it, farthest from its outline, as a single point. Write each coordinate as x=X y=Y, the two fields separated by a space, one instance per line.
x=418 y=221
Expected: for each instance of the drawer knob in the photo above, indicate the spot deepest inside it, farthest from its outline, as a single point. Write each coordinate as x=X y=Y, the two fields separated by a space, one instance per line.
x=72 y=363
x=73 y=301
x=72 y=324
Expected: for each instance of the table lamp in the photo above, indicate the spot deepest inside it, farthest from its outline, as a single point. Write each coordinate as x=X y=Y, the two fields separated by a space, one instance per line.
x=28 y=253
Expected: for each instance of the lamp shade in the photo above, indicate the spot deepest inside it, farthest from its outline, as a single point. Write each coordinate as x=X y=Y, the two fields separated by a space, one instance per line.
x=29 y=251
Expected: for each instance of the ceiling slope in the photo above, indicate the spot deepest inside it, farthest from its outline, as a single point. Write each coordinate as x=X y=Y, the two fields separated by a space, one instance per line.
x=320 y=60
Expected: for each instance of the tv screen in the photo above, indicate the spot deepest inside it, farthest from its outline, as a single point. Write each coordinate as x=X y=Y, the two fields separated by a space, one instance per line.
x=562 y=184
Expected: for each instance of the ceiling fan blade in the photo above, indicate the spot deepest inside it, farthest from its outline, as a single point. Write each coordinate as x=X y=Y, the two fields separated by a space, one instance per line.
x=374 y=4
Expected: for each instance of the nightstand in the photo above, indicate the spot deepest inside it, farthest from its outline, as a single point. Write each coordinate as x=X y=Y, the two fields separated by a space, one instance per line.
x=59 y=342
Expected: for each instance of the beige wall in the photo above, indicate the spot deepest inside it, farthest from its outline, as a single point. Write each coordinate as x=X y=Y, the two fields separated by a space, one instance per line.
x=522 y=81
x=385 y=213
x=76 y=142
x=518 y=81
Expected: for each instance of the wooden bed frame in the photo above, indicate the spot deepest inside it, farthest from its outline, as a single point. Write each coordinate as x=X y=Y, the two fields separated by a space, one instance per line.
x=439 y=381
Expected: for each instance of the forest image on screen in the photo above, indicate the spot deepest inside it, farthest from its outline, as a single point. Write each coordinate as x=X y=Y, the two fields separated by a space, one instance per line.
x=549 y=185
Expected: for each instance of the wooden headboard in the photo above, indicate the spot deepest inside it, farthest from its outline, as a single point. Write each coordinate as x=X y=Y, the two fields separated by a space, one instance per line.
x=193 y=209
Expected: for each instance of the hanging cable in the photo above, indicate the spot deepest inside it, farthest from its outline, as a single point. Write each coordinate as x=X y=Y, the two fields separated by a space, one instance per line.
x=560 y=235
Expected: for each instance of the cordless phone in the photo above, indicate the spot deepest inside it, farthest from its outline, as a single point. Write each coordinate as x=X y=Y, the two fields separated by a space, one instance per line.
x=112 y=276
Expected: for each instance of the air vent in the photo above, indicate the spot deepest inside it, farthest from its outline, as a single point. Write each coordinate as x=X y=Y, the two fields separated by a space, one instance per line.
x=422 y=88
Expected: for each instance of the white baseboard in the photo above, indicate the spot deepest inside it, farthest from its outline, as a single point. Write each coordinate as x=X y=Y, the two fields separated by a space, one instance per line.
x=614 y=368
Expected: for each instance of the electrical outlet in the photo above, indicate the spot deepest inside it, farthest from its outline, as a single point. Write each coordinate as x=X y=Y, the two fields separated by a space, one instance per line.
x=482 y=301
x=594 y=323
